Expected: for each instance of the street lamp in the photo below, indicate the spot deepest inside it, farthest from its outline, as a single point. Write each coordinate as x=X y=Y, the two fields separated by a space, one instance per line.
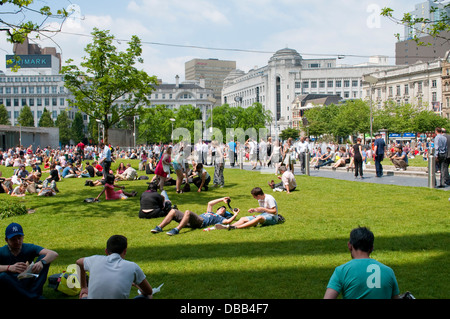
x=172 y=120
x=371 y=80
x=98 y=129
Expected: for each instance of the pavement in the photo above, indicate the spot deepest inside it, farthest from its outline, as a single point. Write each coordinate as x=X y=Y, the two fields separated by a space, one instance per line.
x=413 y=176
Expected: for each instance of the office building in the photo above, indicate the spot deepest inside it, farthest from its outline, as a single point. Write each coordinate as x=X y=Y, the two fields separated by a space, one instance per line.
x=212 y=71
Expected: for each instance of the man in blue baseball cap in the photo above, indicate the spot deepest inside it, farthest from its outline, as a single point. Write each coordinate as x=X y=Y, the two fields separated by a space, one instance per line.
x=16 y=258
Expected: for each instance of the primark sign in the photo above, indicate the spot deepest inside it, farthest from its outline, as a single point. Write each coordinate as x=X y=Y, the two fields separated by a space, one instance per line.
x=29 y=61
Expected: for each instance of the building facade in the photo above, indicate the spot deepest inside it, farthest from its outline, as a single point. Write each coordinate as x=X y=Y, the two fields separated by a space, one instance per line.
x=419 y=84
x=446 y=86
x=287 y=76
x=212 y=71
x=186 y=93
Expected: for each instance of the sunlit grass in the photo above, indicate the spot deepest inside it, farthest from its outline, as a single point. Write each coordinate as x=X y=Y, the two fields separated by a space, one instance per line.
x=294 y=259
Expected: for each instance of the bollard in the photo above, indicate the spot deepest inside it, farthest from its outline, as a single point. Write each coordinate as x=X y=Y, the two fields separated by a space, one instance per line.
x=431 y=168
x=307 y=157
x=241 y=160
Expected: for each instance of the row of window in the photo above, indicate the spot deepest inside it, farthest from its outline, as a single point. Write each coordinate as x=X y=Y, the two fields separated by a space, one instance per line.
x=31 y=90
x=39 y=114
x=26 y=79
x=32 y=102
x=329 y=84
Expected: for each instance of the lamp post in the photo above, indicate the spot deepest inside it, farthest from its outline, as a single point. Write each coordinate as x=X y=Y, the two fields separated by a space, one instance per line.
x=371 y=80
x=98 y=129
x=172 y=120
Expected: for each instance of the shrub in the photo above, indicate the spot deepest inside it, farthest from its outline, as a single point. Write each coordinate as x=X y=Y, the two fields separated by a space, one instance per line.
x=9 y=209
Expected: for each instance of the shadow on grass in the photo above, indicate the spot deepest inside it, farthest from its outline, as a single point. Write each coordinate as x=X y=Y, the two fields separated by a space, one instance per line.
x=278 y=281
x=71 y=200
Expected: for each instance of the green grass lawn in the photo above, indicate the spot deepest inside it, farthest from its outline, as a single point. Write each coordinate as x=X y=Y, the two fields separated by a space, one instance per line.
x=291 y=260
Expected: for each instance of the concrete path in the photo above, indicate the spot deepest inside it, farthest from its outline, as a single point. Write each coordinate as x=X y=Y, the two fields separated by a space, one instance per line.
x=413 y=176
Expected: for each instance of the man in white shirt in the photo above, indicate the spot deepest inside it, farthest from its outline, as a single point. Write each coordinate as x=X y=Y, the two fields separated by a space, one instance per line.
x=128 y=174
x=302 y=146
x=288 y=182
x=111 y=276
x=267 y=207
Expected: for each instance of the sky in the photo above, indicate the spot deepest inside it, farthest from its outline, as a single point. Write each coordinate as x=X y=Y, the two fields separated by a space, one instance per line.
x=246 y=31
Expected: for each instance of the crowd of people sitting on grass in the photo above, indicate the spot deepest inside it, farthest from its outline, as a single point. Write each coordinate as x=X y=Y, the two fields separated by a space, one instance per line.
x=183 y=165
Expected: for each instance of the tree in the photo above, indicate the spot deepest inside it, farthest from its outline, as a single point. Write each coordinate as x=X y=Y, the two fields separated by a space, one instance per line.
x=4 y=118
x=64 y=124
x=289 y=132
x=78 y=128
x=110 y=77
x=46 y=119
x=185 y=117
x=237 y=117
x=155 y=125
x=15 y=14
x=26 y=117
x=433 y=27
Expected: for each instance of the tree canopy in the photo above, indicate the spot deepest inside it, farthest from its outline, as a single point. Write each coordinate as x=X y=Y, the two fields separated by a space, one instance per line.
x=110 y=87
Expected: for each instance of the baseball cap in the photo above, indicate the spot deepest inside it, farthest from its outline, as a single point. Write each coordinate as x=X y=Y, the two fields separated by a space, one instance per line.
x=12 y=230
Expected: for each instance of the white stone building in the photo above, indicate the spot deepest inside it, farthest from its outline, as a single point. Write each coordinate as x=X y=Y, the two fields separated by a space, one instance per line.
x=186 y=93
x=419 y=84
x=288 y=75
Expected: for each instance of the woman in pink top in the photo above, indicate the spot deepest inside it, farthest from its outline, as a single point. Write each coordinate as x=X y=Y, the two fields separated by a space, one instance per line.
x=110 y=193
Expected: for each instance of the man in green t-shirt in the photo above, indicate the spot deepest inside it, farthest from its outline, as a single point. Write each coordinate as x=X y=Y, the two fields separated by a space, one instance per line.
x=362 y=277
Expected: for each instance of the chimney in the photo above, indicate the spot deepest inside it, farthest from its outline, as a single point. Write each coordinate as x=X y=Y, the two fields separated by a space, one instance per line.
x=177 y=81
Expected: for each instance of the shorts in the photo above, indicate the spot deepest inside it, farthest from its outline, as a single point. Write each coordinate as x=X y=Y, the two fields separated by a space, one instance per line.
x=269 y=219
x=177 y=166
x=195 y=221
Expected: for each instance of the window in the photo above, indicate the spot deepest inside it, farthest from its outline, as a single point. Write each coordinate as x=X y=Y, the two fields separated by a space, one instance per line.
x=298 y=85
x=305 y=84
x=434 y=96
x=31 y=102
x=406 y=89
x=346 y=83
x=313 y=84
x=24 y=90
x=16 y=102
x=321 y=84
x=355 y=83
x=330 y=84
x=338 y=84
x=433 y=83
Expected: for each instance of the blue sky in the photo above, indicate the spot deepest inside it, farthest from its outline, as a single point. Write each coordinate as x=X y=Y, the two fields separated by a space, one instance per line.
x=320 y=28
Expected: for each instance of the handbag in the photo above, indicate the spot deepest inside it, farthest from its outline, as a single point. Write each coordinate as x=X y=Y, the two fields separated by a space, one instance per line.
x=66 y=282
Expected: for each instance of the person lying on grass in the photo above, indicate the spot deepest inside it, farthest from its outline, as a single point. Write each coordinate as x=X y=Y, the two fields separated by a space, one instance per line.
x=192 y=220
x=267 y=207
x=110 y=193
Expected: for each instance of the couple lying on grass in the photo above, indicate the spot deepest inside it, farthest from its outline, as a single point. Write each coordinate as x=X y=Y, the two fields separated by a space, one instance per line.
x=222 y=218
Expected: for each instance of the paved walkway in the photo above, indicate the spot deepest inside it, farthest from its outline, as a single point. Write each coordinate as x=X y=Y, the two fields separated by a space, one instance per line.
x=413 y=176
